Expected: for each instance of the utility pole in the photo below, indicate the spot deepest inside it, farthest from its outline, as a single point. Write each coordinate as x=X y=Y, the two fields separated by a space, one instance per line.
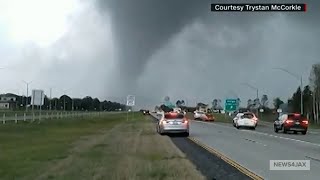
x=301 y=86
x=27 y=99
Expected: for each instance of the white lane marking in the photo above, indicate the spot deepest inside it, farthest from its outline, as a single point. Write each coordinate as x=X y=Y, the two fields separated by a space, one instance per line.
x=280 y=137
x=253 y=141
x=266 y=134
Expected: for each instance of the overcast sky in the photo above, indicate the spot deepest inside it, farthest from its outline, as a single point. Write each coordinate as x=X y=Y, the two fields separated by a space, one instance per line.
x=152 y=48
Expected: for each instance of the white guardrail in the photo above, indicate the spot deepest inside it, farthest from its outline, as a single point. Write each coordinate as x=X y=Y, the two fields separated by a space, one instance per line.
x=48 y=115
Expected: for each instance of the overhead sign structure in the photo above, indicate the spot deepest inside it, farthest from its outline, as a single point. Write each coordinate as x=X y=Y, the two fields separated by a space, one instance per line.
x=131 y=100
x=230 y=105
x=37 y=97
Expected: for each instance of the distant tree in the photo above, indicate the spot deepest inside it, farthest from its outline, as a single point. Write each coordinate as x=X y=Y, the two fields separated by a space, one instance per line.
x=178 y=103
x=182 y=103
x=277 y=102
x=65 y=100
x=264 y=101
x=215 y=104
x=238 y=102
x=295 y=102
x=315 y=88
x=96 y=104
x=87 y=103
x=200 y=104
x=46 y=103
x=249 y=104
x=307 y=101
x=77 y=104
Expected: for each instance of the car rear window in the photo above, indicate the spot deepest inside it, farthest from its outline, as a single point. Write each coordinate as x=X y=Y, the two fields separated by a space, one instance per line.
x=248 y=115
x=174 y=116
x=295 y=116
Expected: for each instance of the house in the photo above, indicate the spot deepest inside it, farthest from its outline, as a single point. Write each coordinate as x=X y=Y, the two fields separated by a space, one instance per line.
x=8 y=101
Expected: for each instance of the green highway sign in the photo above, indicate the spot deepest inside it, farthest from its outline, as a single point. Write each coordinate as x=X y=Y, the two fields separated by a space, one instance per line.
x=230 y=105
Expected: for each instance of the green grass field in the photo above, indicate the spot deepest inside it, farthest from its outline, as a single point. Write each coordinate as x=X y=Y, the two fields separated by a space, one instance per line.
x=105 y=147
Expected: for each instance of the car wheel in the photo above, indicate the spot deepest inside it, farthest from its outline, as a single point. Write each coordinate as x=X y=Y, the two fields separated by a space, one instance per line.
x=254 y=128
x=295 y=132
x=285 y=131
x=186 y=134
x=304 y=132
x=275 y=129
x=238 y=127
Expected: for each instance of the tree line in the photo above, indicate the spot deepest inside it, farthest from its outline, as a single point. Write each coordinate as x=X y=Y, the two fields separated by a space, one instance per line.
x=67 y=103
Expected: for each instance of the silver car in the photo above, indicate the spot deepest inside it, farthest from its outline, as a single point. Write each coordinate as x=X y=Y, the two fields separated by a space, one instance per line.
x=173 y=122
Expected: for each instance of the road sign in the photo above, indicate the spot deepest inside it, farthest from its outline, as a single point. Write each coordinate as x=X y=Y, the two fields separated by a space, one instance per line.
x=131 y=100
x=37 y=97
x=230 y=105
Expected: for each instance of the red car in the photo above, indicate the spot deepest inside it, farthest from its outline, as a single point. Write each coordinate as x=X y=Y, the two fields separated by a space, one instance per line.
x=291 y=122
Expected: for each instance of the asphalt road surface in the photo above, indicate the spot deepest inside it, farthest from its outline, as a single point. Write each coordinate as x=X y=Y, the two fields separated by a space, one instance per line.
x=211 y=166
x=255 y=148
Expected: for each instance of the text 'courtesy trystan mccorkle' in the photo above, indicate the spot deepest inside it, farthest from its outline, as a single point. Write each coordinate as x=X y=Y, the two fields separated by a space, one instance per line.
x=259 y=7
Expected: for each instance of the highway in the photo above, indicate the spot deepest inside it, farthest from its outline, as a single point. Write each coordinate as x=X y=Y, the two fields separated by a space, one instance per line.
x=254 y=148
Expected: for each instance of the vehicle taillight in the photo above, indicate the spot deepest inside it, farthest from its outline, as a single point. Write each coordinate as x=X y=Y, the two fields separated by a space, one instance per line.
x=289 y=121
x=305 y=121
x=185 y=120
x=255 y=118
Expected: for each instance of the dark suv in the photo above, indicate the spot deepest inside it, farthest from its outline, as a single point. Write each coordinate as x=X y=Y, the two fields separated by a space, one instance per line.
x=291 y=122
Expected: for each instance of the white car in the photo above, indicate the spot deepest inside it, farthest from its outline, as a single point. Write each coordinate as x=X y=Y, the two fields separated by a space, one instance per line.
x=247 y=119
x=198 y=115
x=173 y=122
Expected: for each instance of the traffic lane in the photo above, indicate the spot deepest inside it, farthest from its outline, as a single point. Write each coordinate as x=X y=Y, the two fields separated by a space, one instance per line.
x=310 y=130
x=254 y=150
x=267 y=129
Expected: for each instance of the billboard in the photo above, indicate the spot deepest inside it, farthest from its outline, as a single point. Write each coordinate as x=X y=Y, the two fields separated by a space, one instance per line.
x=37 y=97
x=131 y=100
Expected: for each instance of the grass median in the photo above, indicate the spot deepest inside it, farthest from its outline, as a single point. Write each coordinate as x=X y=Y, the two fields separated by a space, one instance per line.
x=106 y=147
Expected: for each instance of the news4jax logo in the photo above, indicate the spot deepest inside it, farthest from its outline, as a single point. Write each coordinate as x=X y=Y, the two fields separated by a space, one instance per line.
x=290 y=165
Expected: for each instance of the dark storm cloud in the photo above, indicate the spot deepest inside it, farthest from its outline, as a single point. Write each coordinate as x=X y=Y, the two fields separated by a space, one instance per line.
x=141 y=28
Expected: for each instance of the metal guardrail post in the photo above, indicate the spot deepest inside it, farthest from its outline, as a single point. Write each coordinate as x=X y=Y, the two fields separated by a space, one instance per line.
x=57 y=115
x=47 y=116
x=24 y=116
x=16 y=118
x=4 y=118
x=32 y=117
